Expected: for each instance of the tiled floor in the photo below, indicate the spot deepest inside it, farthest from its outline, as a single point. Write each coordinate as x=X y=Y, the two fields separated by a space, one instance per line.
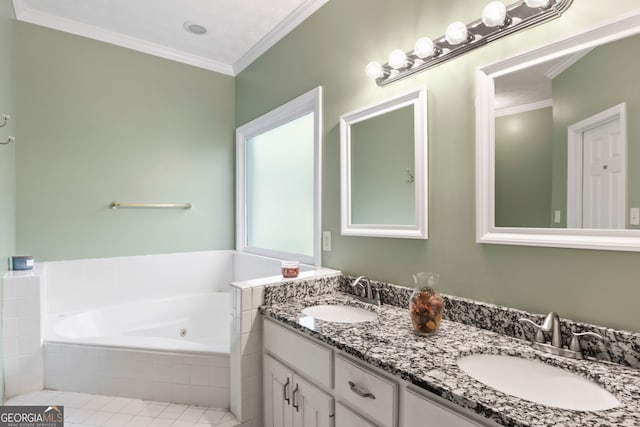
x=82 y=410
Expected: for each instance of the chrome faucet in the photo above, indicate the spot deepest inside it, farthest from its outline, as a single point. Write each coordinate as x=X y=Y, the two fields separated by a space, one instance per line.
x=368 y=292
x=551 y=324
x=356 y=284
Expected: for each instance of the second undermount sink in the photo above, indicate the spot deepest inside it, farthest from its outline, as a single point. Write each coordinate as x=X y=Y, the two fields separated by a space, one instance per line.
x=537 y=382
x=340 y=313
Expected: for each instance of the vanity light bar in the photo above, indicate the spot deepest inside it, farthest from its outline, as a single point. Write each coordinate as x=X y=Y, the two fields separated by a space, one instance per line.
x=497 y=21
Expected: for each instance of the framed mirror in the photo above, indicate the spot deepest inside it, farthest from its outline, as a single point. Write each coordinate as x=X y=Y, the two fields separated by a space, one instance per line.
x=383 y=168
x=557 y=160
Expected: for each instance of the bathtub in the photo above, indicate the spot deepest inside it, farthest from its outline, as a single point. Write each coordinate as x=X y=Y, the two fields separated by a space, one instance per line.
x=150 y=327
x=197 y=323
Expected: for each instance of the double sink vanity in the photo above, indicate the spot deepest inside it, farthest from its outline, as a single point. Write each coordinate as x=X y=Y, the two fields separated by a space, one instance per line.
x=332 y=360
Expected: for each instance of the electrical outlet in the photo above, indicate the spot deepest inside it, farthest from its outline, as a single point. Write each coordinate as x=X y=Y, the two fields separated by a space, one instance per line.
x=326 y=241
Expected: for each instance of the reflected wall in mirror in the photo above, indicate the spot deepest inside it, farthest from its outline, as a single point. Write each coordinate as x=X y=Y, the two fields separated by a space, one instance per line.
x=558 y=163
x=383 y=168
x=382 y=158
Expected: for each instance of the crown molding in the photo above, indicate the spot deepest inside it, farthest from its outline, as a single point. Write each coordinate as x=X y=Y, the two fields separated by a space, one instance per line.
x=523 y=108
x=296 y=18
x=31 y=16
x=557 y=69
x=26 y=14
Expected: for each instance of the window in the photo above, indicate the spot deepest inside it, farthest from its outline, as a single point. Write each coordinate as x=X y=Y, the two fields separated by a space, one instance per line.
x=278 y=181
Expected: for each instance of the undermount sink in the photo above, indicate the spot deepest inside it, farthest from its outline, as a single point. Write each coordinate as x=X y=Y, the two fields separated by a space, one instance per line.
x=537 y=382
x=339 y=313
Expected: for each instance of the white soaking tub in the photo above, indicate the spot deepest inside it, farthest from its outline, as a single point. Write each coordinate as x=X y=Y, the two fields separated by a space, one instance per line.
x=192 y=323
x=153 y=327
x=171 y=349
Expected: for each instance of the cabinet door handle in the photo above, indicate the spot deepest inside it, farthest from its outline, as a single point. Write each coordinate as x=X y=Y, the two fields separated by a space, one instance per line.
x=354 y=388
x=293 y=397
x=285 y=391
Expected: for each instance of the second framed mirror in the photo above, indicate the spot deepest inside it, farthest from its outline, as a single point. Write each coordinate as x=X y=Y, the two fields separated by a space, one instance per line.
x=383 y=151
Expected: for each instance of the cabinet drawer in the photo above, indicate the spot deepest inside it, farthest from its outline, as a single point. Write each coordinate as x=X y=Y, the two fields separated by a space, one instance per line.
x=347 y=418
x=419 y=410
x=370 y=394
x=306 y=357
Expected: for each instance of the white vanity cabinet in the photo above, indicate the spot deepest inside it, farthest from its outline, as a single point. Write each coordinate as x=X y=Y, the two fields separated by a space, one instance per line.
x=290 y=401
x=299 y=377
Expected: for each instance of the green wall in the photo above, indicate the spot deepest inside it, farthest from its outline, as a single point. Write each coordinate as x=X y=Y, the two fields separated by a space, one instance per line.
x=523 y=149
x=7 y=152
x=100 y=123
x=606 y=76
x=331 y=49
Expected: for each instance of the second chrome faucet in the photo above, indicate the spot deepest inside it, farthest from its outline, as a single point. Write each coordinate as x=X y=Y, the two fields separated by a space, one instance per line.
x=551 y=325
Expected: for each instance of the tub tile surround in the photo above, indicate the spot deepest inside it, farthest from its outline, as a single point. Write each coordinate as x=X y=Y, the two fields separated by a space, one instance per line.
x=430 y=362
x=246 y=340
x=21 y=332
x=246 y=337
x=85 y=284
x=187 y=379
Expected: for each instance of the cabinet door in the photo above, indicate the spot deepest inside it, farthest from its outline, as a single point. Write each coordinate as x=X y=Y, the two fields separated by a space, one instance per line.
x=346 y=418
x=311 y=406
x=278 y=386
x=418 y=410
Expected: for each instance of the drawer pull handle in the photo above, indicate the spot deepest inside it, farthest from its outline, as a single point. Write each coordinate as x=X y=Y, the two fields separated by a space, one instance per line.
x=354 y=388
x=295 y=402
x=285 y=391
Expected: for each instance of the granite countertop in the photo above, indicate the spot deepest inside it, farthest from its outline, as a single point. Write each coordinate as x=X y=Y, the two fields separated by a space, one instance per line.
x=430 y=362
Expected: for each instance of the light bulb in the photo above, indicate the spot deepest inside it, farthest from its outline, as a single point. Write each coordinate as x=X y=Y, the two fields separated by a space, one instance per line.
x=423 y=47
x=494 y=14
x=374 y=70
x=397 y=59
x=536 y=3
x=456 y=33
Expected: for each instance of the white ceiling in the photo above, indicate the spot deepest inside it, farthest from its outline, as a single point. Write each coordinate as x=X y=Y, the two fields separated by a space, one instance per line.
x=238 y=31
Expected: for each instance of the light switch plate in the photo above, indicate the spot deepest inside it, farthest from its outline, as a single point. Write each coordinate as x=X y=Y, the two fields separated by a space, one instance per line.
x=634 y=216
x=557 y=216
x=326 y=241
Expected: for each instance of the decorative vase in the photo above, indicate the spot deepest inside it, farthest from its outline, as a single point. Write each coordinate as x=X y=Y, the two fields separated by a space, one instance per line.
x=426 y=304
